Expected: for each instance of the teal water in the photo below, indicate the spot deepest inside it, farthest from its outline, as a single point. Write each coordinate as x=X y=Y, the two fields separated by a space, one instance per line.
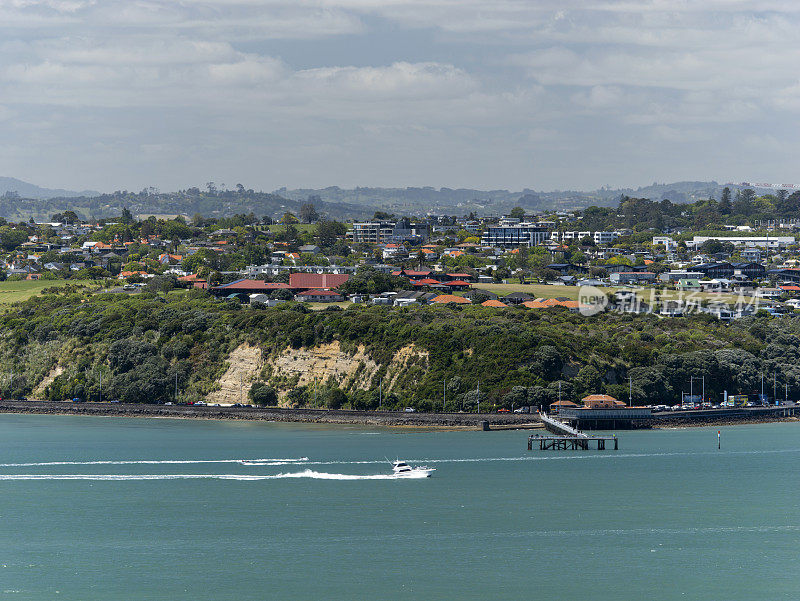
x=668 y=516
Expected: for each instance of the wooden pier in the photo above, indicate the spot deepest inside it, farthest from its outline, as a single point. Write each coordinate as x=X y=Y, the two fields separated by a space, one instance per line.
x=567 y=438
x=571 y=443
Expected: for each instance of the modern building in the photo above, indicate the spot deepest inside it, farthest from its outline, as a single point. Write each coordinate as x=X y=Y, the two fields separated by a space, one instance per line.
x=666 y=241
x=752 y=271
x=676 y=276
x=523 y=234
x=633 y=277
x=599 y=238
x=773 y=242
x=384 y=232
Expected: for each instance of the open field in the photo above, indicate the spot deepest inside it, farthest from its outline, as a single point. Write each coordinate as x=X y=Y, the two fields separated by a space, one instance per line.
x=12 y=292
x=323 y=306
x=571 y=292
x=537 y=290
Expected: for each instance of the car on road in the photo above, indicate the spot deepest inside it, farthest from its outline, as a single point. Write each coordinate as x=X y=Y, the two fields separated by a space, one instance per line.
x=409 y=410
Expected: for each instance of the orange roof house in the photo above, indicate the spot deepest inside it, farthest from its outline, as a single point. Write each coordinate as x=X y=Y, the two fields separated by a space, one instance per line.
x=451 y=298
x=494 y=303
x=601 y=401
x=563 y=404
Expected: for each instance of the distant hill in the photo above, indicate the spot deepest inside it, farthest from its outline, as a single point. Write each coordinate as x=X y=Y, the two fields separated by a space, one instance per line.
x=333 y=202
x=463 y=201
x=26 y=190
x=187 y=202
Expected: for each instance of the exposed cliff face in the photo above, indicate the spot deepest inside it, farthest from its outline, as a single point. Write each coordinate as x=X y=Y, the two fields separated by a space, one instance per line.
x=244 y=363
x=48 y=379
x=324 y=363
x=300 y=367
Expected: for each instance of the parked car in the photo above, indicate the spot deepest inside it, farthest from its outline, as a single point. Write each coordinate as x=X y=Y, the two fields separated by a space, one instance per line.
x=409 y=410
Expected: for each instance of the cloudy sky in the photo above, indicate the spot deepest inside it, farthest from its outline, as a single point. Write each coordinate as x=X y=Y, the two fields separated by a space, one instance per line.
x=545 y=94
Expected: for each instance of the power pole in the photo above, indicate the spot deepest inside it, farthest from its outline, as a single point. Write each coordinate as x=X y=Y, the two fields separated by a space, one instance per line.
x=176 y=387
x=703 y=400
x=380 y=393
x=774 y=384
x=11 y=385
x=101 y=385
x=630 y=391
x=444 y=395
x=479 y=397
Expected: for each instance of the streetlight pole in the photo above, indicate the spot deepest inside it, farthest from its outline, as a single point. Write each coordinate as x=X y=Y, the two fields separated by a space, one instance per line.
x=630 y=391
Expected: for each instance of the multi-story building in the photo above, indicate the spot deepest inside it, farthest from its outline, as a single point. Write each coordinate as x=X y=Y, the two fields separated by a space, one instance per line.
x=523 y=234
x=383 y=232
x=772 y=242
x=599 y=238
x=666 y=241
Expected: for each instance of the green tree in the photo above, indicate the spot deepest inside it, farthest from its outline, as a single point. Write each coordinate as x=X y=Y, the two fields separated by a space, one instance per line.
x=308 y=212
x=11 y=238
x=262 y=394
x=725 y=201
x=329 y=232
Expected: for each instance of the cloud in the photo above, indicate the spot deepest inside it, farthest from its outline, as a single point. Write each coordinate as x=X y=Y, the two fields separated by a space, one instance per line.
x=508 y=92
x=400 y=79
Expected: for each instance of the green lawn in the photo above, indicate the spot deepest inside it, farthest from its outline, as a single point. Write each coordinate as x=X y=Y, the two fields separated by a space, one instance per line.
x=537 y=290
x=571 y=292
x=12 y=292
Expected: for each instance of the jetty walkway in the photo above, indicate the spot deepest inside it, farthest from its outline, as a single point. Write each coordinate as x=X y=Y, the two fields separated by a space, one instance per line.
x=567 y=438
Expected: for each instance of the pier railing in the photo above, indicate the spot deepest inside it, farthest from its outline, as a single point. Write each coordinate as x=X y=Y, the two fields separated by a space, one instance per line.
x=558 y=427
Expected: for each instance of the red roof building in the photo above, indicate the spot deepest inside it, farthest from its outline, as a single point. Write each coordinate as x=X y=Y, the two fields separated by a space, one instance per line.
x=317 y=281
x=249 y=287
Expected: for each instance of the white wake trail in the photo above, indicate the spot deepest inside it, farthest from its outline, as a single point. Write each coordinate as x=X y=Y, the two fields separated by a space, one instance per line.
x=120 y=477
x=298 y=460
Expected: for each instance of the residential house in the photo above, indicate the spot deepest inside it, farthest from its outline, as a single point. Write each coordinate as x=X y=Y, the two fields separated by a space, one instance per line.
x=633 y=277
x=318 y=296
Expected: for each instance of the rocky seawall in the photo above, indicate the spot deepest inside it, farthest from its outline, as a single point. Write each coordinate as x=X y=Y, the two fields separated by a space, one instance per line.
x=374 y=418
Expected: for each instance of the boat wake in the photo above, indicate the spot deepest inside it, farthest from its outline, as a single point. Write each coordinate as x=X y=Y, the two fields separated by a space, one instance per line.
x=254 y=477
x=161 y=462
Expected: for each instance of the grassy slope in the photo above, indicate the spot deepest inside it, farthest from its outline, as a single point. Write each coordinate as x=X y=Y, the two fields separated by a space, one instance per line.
x=12 y=292
x=571 y=292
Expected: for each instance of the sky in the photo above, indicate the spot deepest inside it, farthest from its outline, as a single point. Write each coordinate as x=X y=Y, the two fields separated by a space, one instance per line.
x=489 y=94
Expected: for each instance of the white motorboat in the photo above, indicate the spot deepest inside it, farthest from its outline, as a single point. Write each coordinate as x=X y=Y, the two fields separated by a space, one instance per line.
x=402 y=470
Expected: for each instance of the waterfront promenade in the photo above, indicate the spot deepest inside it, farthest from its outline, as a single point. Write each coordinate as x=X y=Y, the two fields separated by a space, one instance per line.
x=380 y=418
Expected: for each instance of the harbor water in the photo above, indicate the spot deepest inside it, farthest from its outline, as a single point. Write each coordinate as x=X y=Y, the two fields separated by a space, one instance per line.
x=117 y=508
